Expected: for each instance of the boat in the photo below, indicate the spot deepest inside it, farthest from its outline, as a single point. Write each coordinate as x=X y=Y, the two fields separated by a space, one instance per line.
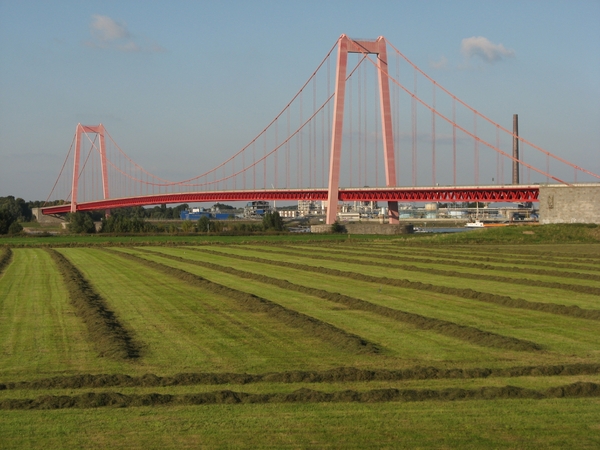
x=477 y=224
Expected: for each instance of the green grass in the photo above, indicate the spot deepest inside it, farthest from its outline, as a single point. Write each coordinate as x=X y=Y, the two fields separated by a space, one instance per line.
x=524 y=424
x=186 y=328
x=39 y=333
x=553 y=233
x=558 y=334
x=533 y=293
x=162 y=239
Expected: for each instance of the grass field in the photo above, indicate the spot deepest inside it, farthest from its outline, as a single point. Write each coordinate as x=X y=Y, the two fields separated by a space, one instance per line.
x=276 y=341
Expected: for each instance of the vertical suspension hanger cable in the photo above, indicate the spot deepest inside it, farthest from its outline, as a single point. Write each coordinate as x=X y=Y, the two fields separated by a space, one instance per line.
x=359 y=123
x=433 y=177
x=498 y=159
x=329 y=115
x=277 y=152
x=376 y=146
x=414 y=130
x=365 y=122
x=476 y=149
x=454 y=141
x=323 y=147
x=299 y=168
x=315 y=127
x=396 y=115
x=287 y=155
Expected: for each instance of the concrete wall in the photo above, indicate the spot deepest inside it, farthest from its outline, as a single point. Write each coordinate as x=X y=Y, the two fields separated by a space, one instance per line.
x=366 y=228
x=579 y=203
x=320 y=228
x=376 y=228
x=45 y=220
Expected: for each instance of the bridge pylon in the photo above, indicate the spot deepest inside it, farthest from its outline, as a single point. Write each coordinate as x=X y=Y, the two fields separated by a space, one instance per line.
x=378 y=47
x=99 y=130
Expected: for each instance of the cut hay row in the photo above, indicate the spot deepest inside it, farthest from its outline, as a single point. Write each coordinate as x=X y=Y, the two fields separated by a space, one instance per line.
x=416 y=256
x=591 y=290
x=535 y=251
x=109 y=336
x=485 y=267
x=5 y=259
x=469 y=294
x=255 y=304
x=118 y=400
x=339 y=375
x=469 y=334
x=540 y=252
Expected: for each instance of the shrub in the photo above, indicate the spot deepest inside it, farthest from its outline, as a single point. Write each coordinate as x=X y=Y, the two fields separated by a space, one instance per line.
x=15 y=228
x=338 y=227
x=81 y=222
x=272 y=221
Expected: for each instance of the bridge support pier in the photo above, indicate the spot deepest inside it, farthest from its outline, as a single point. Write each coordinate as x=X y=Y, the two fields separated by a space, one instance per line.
x=378 y=47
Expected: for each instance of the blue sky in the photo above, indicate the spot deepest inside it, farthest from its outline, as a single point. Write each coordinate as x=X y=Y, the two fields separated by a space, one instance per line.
x=182 y=81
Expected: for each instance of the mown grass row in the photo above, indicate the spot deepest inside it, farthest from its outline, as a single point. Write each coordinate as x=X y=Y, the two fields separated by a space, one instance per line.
x=586 y=253
x=452 y=273
x=471 y=256
x=338 y=375
x=304 y=395
x=486 y=267
x=106 y=332
x=470 y=294
x=252 y=303
x=466 y=333
x=5 y=259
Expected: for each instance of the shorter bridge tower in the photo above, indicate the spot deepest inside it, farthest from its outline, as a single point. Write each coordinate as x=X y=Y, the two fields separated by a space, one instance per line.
x=99 y=130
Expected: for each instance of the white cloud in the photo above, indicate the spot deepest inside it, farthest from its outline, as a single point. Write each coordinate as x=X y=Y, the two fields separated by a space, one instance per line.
x=129 y=46
x=107 y=33
x=441 y=64
x=486 y=50
x=106 y=29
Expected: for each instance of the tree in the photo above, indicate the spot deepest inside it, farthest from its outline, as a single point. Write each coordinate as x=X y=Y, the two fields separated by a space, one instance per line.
x=204 y=224
x=16 y=207
x=6 y=220
x=122 y=224
x=338 y=227
x=222 y=206
x=15 y=228
x=187 y=226
x=81 y=222
x=272 y=221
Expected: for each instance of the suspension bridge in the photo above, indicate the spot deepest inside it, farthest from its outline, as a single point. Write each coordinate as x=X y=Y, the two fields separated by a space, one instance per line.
x=368 y=125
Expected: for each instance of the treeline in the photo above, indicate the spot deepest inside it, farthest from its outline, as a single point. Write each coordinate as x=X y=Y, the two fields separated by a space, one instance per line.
x=12 y=211
x=83 y=222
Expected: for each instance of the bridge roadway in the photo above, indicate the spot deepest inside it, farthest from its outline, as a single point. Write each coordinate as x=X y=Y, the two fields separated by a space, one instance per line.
x=491 y=194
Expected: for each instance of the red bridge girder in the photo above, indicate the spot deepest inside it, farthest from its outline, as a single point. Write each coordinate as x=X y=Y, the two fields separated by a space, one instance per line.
x=490 y=194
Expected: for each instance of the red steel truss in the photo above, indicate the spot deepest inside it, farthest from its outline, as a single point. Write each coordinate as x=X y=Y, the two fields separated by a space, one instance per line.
x=448 y=194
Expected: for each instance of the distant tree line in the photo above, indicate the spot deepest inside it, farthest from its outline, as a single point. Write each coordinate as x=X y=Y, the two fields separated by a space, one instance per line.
x=12 y=211
x=83 y=222
x=134 y=219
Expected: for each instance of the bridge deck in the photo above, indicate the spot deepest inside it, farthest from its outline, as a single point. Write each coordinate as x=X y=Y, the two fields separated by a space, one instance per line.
x=489 y=194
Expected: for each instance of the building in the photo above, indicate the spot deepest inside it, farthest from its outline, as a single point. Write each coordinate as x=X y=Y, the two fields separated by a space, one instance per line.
x=256 y=208
x=310 y=207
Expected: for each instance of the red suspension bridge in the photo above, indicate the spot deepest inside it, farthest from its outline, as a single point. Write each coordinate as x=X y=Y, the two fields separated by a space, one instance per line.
x=376 y=128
